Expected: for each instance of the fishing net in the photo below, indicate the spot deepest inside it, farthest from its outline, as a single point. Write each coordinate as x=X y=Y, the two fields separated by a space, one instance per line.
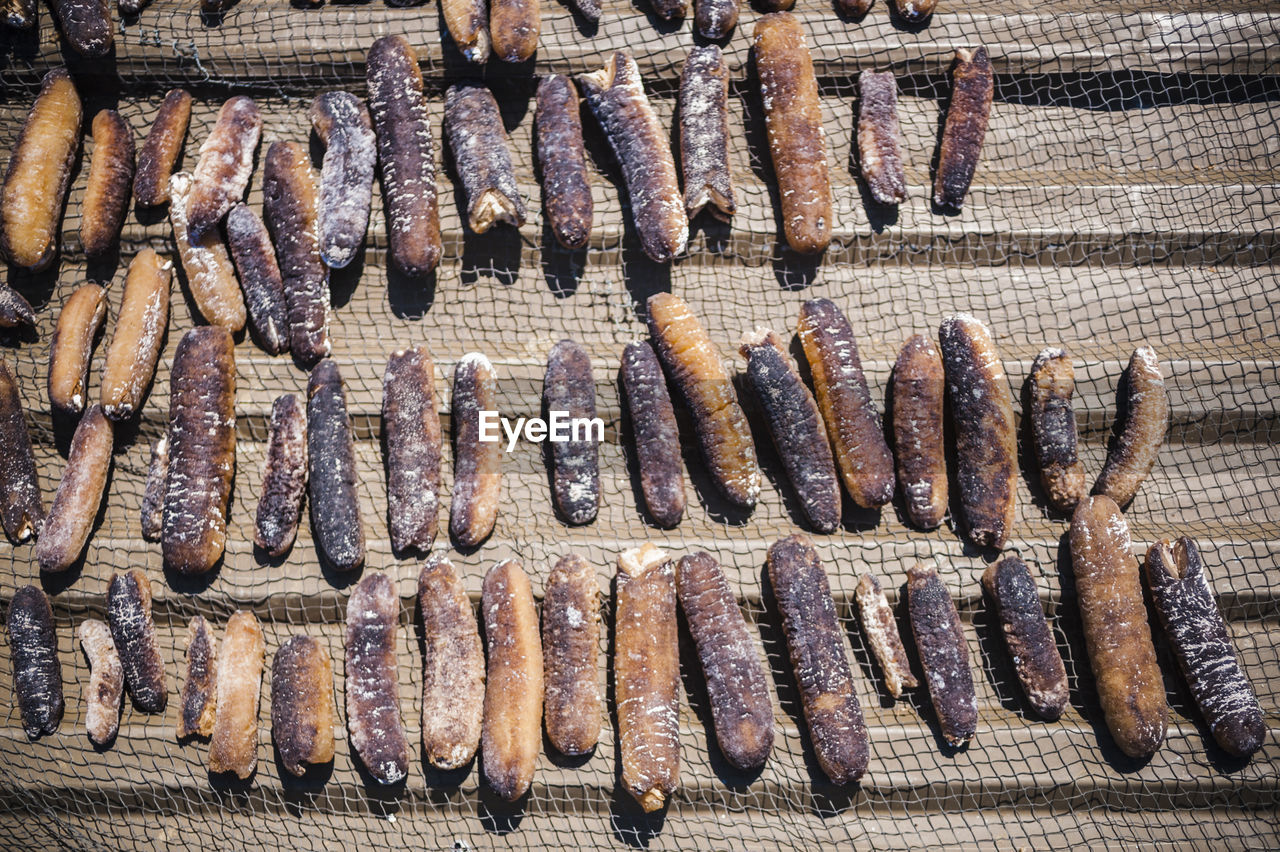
x=1127 y=193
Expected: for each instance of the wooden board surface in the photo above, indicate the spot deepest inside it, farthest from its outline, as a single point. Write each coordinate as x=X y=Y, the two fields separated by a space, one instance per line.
x=1127 y=194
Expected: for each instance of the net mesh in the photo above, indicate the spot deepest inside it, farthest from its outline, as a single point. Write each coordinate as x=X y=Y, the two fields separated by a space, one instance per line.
x=1127 y=193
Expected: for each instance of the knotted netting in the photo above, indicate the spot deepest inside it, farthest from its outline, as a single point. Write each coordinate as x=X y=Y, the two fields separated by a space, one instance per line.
x=1127 y=193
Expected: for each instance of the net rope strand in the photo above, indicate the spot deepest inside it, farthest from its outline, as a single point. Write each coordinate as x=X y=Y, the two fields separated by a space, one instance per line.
x=1112 y=207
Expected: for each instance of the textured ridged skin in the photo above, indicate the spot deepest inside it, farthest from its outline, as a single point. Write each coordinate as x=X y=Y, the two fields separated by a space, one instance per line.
x=851 y=417
x=468 y=24
x=139 y=332
x=694 y=364
x=21 y=14
x=819 y=659
x=575 y=464
x=986 y=438
x=331 y=470
x=226 y=163
x=514 y=27
x=1116 y=633
x=255 y=260
x=80 y=493
x=879 y=136
x=1200 y=641
x=1134 y=453
x=714 y=20
x=915 y=11
x=105 y=688
x=796 y=426
x=572 y=704
x=86 y=25
x=566 y=183
x=616 y=96
x=918 y=388
x=211 y=278
x=646 y=675
x=944 y=654
x=129 y=614
x=373 y=686
x=21 y=506
x=477 y=466
x=704 y=133
x=198 y=702
x=152 y=508
x=512 y=733
x=881 y=629
x=202 y=450
x=670 y=10
x=346 y=175
x=233 y=746
x=411 y=427
x=481 y=157
x=284 y=477
x=653 y=420
x=965 y=127
x=453 y=667
x=290 y=198
x=854 y=8
x=736 y=686
x=589 y=9
x=1041 y=672
x=162 y=148
x=793 y=120
x=110 y=181
x=406 y=153
x=14 y=309
x=302 y=712
x=37 y=671
x=72 y=347
x=1053 y=428
x=39 y=172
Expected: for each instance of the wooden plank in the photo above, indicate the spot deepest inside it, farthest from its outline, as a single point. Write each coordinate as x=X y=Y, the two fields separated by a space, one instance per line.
x=1053 y=185
x=1013 y=758
x=273 y=42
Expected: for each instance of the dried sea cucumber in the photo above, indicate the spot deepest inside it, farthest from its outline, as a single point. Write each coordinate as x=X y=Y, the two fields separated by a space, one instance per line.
x=796 y=427
x=566 y=183
x=819 y=658
x=39 y=172
x=411 y=426
x=646 y=674
x=331 y=470
x=346 y=174
x=372 y=685
x=704 y=134
x=568 y=387
x=741 y=708
x=965 y=127
x=481 y=156
x=284 y=477
x=406 y=152
x=616 y=96
x=653 y=420
x=695 y=366
x=1202 y=645
x=37 y=671
x=572 y=704
x=852 y=419
x=202 y=450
